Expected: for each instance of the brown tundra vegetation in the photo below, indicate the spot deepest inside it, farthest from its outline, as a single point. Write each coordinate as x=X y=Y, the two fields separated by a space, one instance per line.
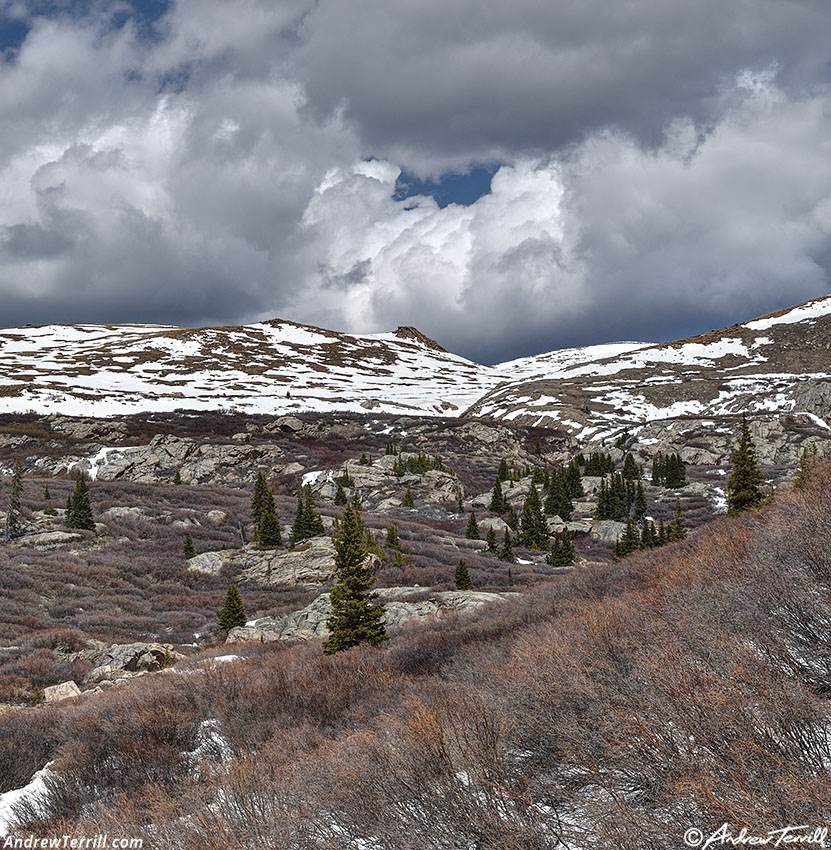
x=614 y=707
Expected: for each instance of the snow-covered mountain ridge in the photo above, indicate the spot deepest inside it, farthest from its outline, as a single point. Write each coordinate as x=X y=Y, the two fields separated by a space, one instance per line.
x=777 y=363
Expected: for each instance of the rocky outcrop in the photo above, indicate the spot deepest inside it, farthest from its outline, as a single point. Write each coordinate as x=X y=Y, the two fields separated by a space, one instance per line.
x=402 y=604
x=310 y=564
x=779 y=439
x=196 y=461
x=48 y=539
x=130 y=658
x=65 y=690
x=378 y=485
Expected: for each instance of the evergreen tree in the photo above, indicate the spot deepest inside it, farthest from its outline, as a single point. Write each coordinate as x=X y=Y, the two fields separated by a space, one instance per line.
x=510 y=578
x=506 y=552
x=364 y=461
x=460 y=508
x=463 y=581
x=538 y=448
x=573 y=479
x=177 y=477
x=340 y=495
x=806 y=467
x=233 y=611
x=511 y=518
x=262 y=500
x=49 y=508
x=355 y=618
x=538 y=475
x=497 y=504
x=743 y=484
x=533 y=527
x=298 y=531
x=640 y=502
x=14 y=519
x=269 y=535
x=79 y=507
x=472 y=532
x=490 y=539
x=631 y=471
x=408 y=501
x=562 y=552
x=676 y=530
x=393 y=541
x=662 y=532
x=188 y=548
x=314 y=521
x=307 y=521
x=630 y=540
x=503 y=473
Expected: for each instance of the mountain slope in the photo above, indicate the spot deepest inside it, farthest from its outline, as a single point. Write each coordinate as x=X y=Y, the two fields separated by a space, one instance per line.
x=779 y=363
x=267 y=367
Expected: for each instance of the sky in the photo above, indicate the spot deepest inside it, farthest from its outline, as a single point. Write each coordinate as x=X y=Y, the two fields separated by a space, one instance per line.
x=509 y=178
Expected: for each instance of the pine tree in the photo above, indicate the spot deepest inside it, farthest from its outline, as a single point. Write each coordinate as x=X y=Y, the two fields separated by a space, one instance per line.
x=743 y=484
x=364 y=461
x=314 y=521
x=676 y=530
x=354 y=618
x=262 y=500
x=506 y=552
x=511 y=518
x=631 y=471
x=233 y=611
x=640 y=502
x=460 y=508
x=177 y=477
x=14 y=522
x=408 y=501
x=188 y=548
x=48 y=508
x=562 y=552
x=79 y=507
x=463 y=581
x=490 y=539
x=472 y=532
x=340 y=495
x=307 y=521
x=393 y=540
x=573 y=479
x=497 y=504
x=269 y=535
x=510 y=578
x=533 y=527
x=806 y=467
x=503 y=473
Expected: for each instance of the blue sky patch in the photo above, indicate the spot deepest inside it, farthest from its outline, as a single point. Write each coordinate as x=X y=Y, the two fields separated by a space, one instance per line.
x=463 y=189
x=144 y=14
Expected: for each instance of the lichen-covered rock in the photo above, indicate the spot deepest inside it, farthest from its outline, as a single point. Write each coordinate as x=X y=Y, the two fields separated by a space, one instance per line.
x=607 y=530
x=131 y=657
x=402 y=604
x=48 y=539
x=65 y=690
x=310 y=564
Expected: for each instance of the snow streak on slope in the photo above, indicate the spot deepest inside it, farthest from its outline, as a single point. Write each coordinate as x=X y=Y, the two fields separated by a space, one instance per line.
x=739 y=369
x=267 y=367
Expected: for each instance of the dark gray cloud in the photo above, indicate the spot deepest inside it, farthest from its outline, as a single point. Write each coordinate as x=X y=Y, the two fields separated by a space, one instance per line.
x=666 y=166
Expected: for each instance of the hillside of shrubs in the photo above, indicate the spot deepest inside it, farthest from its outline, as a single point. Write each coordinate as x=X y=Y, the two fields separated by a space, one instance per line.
x=615 y=706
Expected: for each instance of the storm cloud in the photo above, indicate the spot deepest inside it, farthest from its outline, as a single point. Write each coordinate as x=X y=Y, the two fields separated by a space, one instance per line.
x=661 y=168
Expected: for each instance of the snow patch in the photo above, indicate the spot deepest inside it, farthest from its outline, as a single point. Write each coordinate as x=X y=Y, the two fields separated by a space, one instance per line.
x=32 y=792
